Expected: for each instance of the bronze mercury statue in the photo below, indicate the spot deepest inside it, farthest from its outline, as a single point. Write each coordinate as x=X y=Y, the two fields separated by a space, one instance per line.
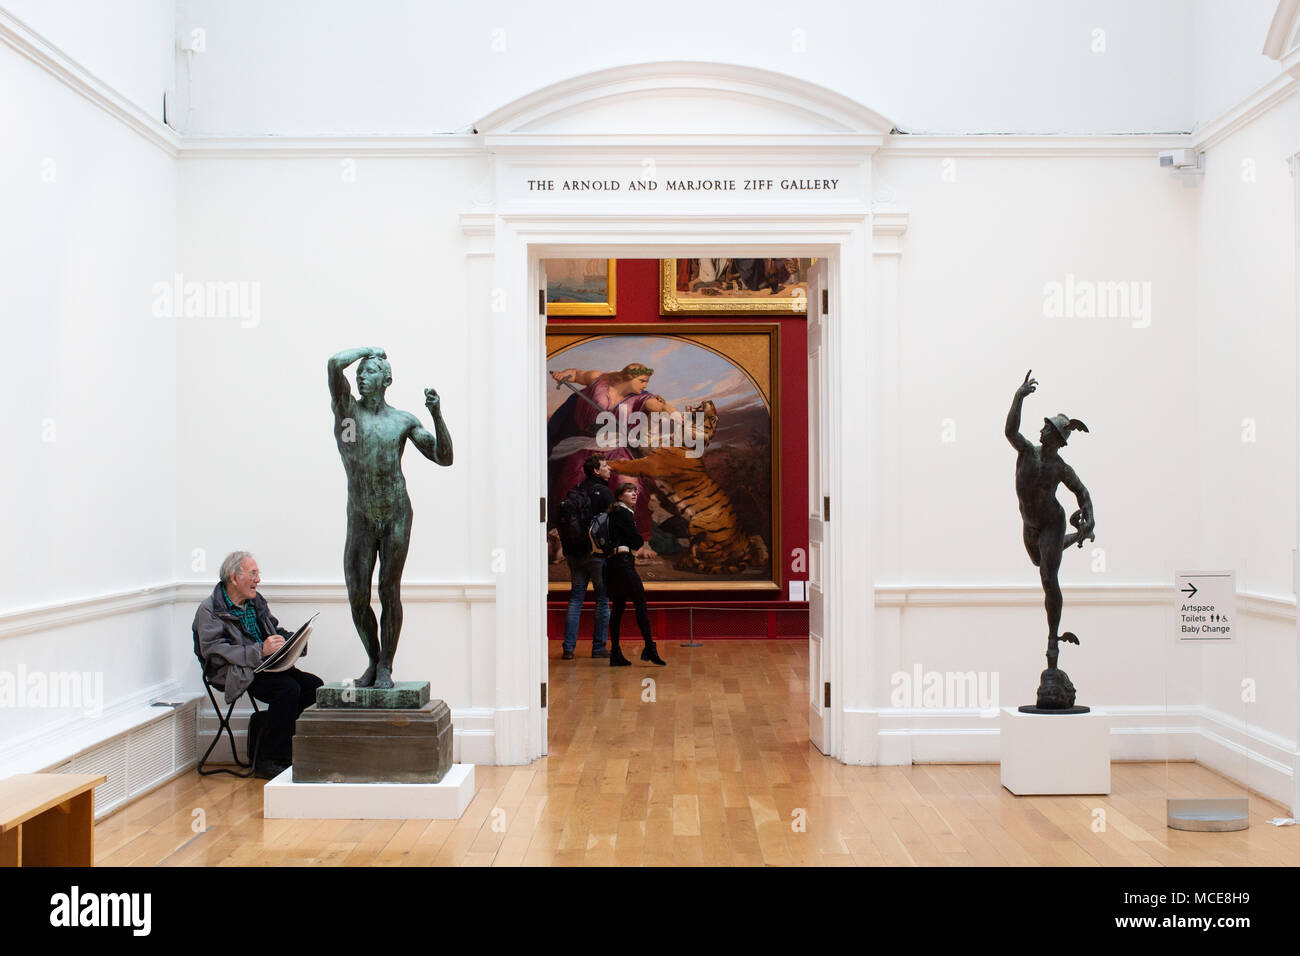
x=1039 y=469
x=371 y=436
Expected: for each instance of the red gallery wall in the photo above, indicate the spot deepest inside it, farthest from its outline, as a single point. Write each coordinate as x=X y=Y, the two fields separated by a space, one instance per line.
x=723 y=614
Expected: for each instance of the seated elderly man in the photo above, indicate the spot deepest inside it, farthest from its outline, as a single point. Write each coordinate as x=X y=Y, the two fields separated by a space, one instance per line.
x=234 y=630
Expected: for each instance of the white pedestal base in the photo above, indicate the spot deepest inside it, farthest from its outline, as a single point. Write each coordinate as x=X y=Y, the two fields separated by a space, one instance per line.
x=1055 y=753
x=282 y=799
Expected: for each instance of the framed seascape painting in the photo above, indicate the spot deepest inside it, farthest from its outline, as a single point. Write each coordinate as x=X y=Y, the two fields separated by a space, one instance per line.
x=583 y=287
x=685 y=413
x=733 y=286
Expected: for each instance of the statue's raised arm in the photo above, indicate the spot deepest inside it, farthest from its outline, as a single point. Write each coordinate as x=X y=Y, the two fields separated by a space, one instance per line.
x=1018 y=441
x=340 y=390
x=435 y=446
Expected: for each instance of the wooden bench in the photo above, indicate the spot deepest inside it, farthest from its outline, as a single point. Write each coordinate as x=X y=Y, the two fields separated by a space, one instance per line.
x=48 y=819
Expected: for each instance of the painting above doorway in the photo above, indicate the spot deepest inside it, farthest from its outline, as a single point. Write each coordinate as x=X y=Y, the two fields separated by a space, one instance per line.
x=687 y=417
x=581 y=287
x=733 y=286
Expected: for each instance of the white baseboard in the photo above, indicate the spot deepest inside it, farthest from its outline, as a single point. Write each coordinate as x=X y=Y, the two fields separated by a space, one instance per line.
x=1256 y=759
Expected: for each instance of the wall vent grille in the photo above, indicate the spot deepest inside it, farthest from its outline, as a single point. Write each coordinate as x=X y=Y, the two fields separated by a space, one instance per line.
x=139 y=759
x=149 y=754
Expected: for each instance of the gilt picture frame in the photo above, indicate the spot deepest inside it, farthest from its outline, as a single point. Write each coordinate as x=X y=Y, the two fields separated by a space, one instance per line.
x=733 y=287
x=711 y=520
x=581 y=287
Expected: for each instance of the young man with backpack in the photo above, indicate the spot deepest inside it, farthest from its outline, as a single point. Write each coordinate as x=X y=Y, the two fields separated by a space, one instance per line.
x=583 y=502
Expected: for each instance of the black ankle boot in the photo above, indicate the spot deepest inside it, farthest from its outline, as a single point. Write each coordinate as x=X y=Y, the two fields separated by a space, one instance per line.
x=651 y=654
x=616 y=658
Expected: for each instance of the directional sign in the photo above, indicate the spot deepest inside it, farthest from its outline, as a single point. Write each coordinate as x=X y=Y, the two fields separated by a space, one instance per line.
x=1205 y=605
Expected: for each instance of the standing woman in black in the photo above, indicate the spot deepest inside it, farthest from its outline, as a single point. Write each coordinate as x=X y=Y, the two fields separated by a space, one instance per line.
x=622 y=581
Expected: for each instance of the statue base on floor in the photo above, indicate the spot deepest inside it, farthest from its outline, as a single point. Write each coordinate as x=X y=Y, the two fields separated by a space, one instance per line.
x=1041 y=756
x=285 y=799
x=368 y=745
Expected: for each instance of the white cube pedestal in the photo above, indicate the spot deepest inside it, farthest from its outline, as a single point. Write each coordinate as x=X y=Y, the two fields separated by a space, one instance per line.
x=282 y=799
x=1055 y=753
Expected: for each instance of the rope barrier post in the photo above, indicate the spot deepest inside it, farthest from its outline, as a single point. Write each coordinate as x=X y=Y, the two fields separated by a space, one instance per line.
x=693 y=642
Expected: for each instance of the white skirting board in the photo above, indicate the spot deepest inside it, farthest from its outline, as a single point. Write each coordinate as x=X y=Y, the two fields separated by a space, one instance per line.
x=282 y=799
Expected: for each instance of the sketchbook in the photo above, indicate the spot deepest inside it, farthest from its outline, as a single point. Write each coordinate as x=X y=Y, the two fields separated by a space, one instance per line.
x=287 y=655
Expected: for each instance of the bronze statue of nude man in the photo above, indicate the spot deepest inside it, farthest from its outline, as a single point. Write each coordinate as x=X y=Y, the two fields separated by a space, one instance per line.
x=371 y=436
x=1039 y=469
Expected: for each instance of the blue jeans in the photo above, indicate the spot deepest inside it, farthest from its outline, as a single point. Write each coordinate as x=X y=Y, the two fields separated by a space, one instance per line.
x=582 y=570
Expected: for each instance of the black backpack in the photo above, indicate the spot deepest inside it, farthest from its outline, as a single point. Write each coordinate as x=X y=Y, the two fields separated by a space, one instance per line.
x=601 y=533
x=575 y=522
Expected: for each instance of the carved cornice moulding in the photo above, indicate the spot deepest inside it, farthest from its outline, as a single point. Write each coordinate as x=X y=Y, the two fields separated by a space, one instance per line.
x=825 y=105
x=76 y=77
x=1271 y=94
x=1284 y=30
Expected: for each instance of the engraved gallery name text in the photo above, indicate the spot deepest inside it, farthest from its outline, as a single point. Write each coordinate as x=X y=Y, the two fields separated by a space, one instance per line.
x=684 y=185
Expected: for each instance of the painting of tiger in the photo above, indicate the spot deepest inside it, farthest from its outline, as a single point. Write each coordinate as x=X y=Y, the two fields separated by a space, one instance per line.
x=718 y=544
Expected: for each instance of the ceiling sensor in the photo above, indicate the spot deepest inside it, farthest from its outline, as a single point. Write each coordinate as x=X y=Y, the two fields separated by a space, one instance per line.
x=1183 y=160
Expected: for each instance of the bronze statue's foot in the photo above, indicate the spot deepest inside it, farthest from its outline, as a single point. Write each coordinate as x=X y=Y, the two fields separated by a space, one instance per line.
x=368 y=678
x=383 y=679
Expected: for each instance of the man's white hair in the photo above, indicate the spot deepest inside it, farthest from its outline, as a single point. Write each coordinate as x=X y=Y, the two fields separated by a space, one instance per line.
x=233 y=564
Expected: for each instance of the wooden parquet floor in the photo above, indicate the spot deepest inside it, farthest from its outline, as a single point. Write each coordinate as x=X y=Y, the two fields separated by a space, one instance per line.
x=708 y=765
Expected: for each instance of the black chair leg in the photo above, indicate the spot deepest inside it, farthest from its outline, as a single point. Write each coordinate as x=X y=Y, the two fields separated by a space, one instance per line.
x=224 y=724
x=257 y=741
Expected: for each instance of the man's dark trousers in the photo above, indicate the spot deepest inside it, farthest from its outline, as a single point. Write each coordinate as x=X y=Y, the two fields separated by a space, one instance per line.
x=288 y=693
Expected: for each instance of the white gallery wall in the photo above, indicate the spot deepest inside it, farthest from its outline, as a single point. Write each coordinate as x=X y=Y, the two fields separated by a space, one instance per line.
x=1245 y=376
x=342 y=253
x=89 y=483
x=1246 y=393
x=182 y=436
x=988 y=240
x=991 y=248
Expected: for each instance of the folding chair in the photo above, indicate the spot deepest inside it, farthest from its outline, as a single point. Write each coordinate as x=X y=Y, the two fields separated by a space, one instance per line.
x=224 y=724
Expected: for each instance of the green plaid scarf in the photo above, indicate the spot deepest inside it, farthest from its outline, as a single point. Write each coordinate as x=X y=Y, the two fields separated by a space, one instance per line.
x=247 y=616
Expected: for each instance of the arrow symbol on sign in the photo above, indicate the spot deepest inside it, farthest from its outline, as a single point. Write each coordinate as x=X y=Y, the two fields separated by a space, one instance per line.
x=1192 y=592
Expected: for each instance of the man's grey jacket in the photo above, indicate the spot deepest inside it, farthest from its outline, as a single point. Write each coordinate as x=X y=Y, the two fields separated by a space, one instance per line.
x=226 y=652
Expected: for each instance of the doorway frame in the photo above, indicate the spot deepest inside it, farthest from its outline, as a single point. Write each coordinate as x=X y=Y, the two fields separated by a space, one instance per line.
x=522 y=241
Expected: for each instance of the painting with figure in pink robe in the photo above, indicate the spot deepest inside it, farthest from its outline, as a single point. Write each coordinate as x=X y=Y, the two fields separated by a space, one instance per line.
x=726 y=494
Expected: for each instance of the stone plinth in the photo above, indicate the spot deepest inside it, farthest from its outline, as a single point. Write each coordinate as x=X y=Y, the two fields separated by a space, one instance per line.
x=403 y=695
x=351 y=745
x=1055 y=753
